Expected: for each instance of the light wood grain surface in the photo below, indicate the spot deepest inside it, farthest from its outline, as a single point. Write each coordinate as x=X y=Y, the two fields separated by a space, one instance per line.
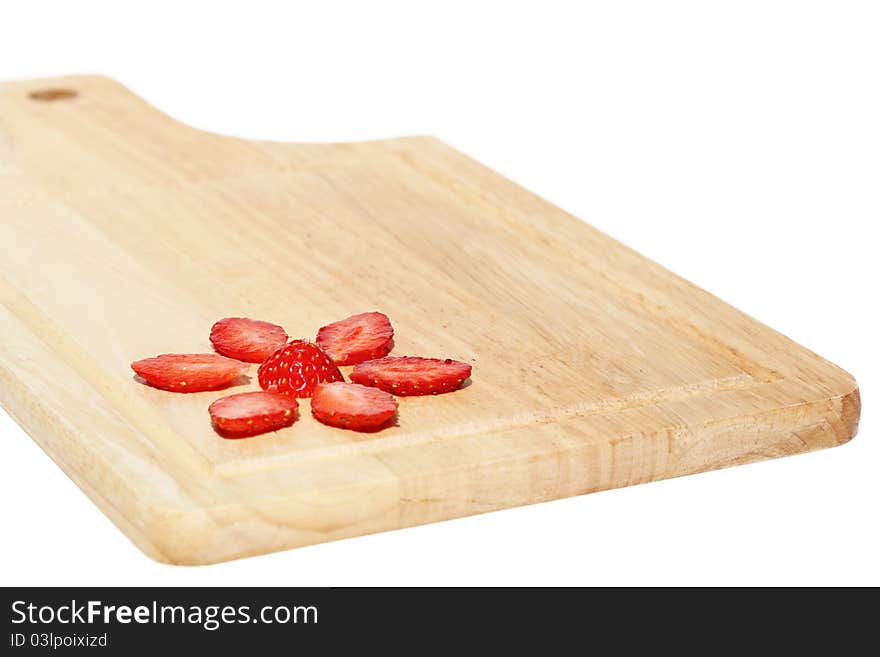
x=125 y=234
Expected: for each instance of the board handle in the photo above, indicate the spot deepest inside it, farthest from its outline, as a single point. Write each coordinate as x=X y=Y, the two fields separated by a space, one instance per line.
x=94 y=127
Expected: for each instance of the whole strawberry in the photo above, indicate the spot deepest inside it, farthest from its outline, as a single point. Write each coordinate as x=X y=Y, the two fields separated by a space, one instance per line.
x=296 y=368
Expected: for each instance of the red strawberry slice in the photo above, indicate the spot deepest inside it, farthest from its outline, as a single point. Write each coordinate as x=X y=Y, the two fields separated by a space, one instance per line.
x=410 y=375
x=357 y=338
x=189 y=372
x=352 y=406
x=296 y=368
x=249 y=340
x=251 y=413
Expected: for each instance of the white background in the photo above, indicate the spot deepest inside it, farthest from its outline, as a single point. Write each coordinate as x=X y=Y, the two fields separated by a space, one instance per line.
x=737 y=143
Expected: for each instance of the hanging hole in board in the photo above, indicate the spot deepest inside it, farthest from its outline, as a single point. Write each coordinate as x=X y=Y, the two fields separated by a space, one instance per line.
x=52 y=94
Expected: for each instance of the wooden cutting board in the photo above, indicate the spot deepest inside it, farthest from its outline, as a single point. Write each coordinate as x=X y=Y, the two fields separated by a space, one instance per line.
x=125 y=234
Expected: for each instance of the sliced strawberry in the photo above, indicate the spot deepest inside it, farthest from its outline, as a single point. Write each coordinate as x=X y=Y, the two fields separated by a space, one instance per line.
x=352 y=406
x=251 y=413
x=249 y=340
x=189 y=372
x=296 y=368
x=410 y=375
x=357 y=338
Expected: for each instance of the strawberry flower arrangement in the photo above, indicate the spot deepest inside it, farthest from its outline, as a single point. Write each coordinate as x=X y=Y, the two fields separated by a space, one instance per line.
x=293 y=369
